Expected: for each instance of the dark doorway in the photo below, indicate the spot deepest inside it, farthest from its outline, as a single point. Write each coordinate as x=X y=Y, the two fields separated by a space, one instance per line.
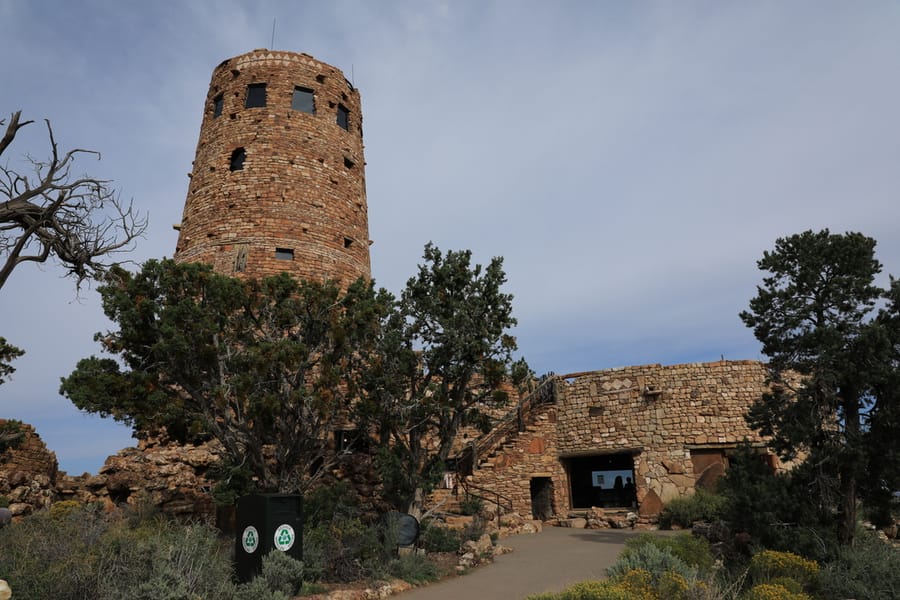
x=604 y=480
x=542 y=498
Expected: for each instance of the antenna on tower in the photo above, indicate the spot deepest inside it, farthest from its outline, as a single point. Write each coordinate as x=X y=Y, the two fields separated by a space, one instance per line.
x=272 y=47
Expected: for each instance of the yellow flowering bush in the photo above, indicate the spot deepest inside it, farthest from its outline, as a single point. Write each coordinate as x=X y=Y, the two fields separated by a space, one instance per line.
x=770 y=564
x=773 y=591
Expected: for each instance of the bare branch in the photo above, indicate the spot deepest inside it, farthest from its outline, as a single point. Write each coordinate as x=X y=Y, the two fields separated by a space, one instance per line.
x=80 y=221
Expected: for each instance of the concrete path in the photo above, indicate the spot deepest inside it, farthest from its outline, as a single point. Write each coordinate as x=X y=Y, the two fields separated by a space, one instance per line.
x=542 y=562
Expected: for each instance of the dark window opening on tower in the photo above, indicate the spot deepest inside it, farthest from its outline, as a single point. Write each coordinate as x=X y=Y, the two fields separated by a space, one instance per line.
x=256 y=95
x=303 y=100
x=349 y=163
x=343 y=117
x=217 y=105
x=347 y=242
x=237 y=159
x=284 y=253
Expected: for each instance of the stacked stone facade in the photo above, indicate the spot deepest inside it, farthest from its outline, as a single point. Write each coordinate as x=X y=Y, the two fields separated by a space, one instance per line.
x=677 y=423
x=279 y=187
x=28 y=473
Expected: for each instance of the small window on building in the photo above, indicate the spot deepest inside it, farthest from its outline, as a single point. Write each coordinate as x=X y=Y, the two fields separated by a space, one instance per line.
x=240 y=258
x=284 y=253
x=349 y=163
x=237 y=159
x=217 y=105
x=343 y=117
x=303 y=100
x=256 y=95
x=347 y=242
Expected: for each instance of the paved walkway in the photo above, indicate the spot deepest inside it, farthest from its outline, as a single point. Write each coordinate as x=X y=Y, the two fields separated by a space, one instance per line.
x=543 y=562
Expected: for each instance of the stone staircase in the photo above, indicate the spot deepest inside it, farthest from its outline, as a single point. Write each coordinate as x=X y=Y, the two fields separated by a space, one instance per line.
x=478 y=454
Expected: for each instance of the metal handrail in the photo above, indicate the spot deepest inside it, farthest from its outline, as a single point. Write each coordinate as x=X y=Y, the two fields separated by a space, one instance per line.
x=466 y=485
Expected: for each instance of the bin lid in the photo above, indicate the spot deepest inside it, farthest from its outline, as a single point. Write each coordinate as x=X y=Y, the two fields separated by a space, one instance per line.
x=407 y=527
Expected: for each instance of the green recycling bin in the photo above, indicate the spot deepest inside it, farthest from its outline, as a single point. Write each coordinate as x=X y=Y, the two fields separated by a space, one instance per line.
x=265 y=523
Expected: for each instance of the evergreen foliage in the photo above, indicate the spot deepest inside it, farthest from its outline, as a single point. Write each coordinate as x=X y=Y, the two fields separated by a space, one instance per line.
x=444 y=354
x=833 y=362
x=266 y=367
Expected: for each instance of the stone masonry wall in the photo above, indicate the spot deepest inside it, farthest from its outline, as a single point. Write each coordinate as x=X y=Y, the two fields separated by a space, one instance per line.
x=28 y=473
x=532 y=453
x=301 y=187
x=660 y=414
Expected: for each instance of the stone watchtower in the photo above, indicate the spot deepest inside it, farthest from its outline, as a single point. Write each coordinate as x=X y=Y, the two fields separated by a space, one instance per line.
x=278 y=181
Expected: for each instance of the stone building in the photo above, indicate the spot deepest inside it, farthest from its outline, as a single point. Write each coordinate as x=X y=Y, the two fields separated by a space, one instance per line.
x=633 y=437
x=278 y=185
x=278 y=182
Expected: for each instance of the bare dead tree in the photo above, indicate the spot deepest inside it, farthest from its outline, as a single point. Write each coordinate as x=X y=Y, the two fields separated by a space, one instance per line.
x=80 y=221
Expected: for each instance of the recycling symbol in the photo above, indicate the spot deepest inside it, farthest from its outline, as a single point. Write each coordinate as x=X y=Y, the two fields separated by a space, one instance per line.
x=284 y=537
x=250 y=539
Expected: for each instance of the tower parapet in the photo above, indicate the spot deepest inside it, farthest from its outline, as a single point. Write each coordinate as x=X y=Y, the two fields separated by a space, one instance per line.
x=278 y=181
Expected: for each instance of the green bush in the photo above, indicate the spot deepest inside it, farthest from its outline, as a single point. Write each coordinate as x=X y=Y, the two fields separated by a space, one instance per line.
x=869 y=570
x=654 y=560
x=440 y=539
x=282 y=573
x=77 y=552
x=44 y=556
x=778 y=511
x=345 y=549
x=692 y=550
x=414 y=569
x=684 y=512
x=471 y=505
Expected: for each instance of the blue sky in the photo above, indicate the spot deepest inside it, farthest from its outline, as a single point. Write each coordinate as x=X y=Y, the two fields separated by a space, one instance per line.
x=631 y=161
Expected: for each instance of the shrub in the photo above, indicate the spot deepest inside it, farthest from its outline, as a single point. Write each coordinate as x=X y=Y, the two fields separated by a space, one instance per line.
x=471 y=505
x=282 y=573
x=770 y=564
x=440 y=539
x=47 y=557
x=589 y=590
x=4 y=502
x=684 y=512
x=162 y=559
x=869 y=570
x=692 y=550
x=779 y=511
x=652 y=559
x=75 y=552
x=345 y=549
x=771 y=591
x=414 y=569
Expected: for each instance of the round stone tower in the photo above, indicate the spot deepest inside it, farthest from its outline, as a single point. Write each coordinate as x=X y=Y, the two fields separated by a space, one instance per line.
x=278 y=182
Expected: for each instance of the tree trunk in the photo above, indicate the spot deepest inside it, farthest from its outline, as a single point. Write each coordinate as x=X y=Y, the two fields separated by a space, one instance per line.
x=848 y=467
x=416 y=506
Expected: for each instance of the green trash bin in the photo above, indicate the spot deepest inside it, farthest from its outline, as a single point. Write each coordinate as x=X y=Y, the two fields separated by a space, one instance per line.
x=265 y=523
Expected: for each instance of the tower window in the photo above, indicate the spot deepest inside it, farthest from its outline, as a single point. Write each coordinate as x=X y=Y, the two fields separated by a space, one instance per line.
x=217 y=105
x=349 y=163
x=237 y=159
x=284 y=253
x=343 y=117
x=347 y=242
x=256 y=95
x=303 y=100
